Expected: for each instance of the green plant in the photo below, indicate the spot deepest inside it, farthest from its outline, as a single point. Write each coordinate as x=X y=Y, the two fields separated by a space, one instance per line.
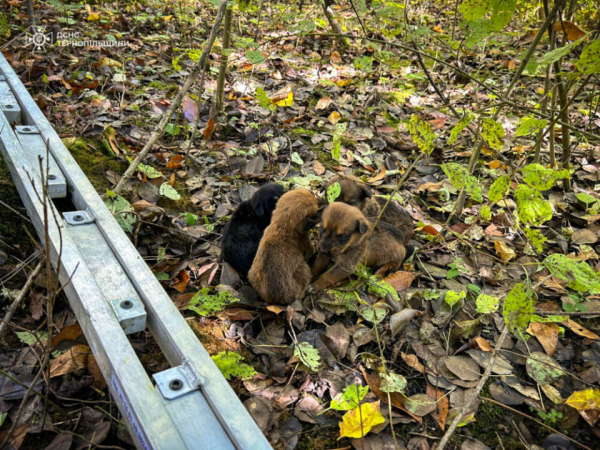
x=230 y=364
x=206 y=304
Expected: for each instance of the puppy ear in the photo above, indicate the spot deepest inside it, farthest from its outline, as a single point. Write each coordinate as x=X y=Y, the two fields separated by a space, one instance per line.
x=259 y=208
x=363 y=226
x=366 y=192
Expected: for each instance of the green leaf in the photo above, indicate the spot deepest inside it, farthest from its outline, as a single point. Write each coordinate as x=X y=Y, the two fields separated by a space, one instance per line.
x=297 y=159
x=502 y=11
x=308 y=355
x=452 y=297
x=172 y=129
x=536 y=238
x=460 y=177
x=485 y=213
x=30 y=338
x=255 y=56
x=392 y=382
x=589 y=61
x=554 y=55
x=487 y=304
x=333 y=192
x=586 y=198
x=532 y=209
x=169 y=191
x=493 y=134
x=530 y=125
x=263 y=100
x=190 y=219
x=579 y=274
x=339 y=130
x=364 y=63
x=461 y=125
x=518 y=309
x=119 y=207
x=475 y=9
x=499 y=188
x=230 y=364
x=421 y=133
x=540 y=178
x=373 y=313
x=206 y=304
x=543 y=368
x=350 y=398
x=149 y=171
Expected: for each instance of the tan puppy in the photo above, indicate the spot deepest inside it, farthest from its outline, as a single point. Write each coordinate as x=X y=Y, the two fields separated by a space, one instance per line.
x=345 y=240
x=359 y=195
x=279 y=272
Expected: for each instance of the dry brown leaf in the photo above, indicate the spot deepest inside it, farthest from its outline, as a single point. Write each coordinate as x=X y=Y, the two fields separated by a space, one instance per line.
x=413 y=361
x=336 y=58
x=73 y=359
x=180 y=283
x=572 y=31
x=581 y=331
x=323 y=103
x=380 y=176
x=69 y=333
x=401 y=280
x=443 y=405
x=430 y=230
x=482 y=344
x=504 y=251
x=546 y=334
x=209 y=129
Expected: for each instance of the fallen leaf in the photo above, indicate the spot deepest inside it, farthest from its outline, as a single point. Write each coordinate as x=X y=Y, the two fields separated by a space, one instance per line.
x=380 y=176
x=572 y=31
x=358 y=422
x=397 y=399
x=546 y=334
x=581 y=331
x=73 y=359
x=336 y=58
x=209 y=129
x=413 y=361
x=543 y=368
x=504 y=251
x=175 y=162
x=420 y=404
x=323 y=103
x=334 y=117
x=482 y=344
x=94 y=370
x=443 y=405
x=584 y=400
x=463 y=367
x=68 y=333
x=190 y=109
x=401 y=280
x=584 y=236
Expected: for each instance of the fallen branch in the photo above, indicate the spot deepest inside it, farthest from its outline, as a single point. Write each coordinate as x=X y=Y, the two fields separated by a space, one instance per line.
x=488 y=371
x=17 y=301
x=162 y=124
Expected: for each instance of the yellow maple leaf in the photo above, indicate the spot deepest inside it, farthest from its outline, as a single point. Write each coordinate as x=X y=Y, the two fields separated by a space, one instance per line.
x=351 y=422
x=584 y=400
x=288 y=101
x=93 y=17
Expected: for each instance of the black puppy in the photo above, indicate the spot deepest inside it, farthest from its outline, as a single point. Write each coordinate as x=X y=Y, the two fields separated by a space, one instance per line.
x=243 y=232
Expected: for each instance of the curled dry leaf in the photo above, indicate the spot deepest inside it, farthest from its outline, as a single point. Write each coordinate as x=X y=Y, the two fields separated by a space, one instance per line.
x=73 y=359
x=323 y=103
x=581 y=331
x=420 y=404
x=546 y=334
x=401 y=280
x=463 y=367
x=504 y=251
x=413 y=361
x=572 y=31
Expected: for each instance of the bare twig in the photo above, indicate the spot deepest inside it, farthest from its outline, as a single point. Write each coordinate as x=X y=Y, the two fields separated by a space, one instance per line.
x=160 y=127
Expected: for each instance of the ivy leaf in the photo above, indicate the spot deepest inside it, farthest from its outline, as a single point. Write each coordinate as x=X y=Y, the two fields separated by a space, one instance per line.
x=169 y=191
x=475 y=9
x=461 y=125
x=540 y=178
x=373 y=313
x=493 y=134
x=230 y=365
x=358 y=422
x=536 y=238
x=530 y=125
x=532 y=208
x=589 y=61
x=392 y=382
x=119 y=206
x=487 y=304
x=460 y=177
x=350 y=398
x=499 y=188
x=421 y=134
x=452 y=298
x=308 y=355
x=518 y=309
x=579 y=274
x=333 y=192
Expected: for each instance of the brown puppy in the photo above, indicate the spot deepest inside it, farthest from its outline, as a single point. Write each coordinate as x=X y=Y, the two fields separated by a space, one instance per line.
x=359 y=195
x=345 y=240
x=279 y=272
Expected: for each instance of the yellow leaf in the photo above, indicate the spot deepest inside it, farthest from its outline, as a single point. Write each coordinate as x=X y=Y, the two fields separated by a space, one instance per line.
x=584 y=400
x=572 y=31
x=288 y=101
x=351 y=425
x=342 y=83
x=93 y=17
x=167 y=18
x=504 y=251
x=334 y=117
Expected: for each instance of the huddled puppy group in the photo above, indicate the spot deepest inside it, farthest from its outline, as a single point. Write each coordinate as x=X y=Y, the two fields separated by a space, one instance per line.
x=267 y=239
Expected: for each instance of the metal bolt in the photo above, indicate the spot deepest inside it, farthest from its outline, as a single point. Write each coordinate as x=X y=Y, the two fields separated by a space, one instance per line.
x=126 y=304
x=9 y=106
x=175 y=384
x=52 y=177
x=26 y=129
x=78 y=218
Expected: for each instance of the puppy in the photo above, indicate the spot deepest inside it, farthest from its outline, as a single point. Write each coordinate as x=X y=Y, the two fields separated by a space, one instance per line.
x=359 y=195
x=345 y=239
x=280 y=273
x=243 y=232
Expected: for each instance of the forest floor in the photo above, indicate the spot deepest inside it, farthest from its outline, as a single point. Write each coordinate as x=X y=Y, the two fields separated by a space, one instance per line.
x=282 y=122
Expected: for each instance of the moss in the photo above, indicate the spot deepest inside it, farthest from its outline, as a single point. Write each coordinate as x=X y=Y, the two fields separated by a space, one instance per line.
x=11 y=225
x=156 y=84
x=93 y=159
x=319 y=437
